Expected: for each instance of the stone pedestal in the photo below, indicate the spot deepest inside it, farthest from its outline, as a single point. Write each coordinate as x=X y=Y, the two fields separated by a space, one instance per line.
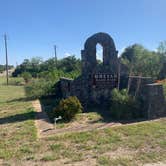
x=155 y=104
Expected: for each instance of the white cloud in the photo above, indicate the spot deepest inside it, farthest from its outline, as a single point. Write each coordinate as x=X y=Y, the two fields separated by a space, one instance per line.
x=67 y=54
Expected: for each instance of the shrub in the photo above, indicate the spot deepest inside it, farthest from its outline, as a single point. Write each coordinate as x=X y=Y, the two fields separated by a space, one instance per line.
x=16 y=81
x=26 y=76
x=38 y=88
x=13 y=81
x=68 y=108
x=123 y=106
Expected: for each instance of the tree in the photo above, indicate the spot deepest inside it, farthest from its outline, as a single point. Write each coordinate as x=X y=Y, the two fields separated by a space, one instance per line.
x=141 y=61
x=162 y=51
x=69 y=64
x=32 y=66
x=36 y=60
x=162 y=48
x=132 y=52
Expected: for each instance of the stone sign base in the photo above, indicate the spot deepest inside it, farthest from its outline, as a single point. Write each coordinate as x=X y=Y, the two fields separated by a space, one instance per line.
x=96 y=82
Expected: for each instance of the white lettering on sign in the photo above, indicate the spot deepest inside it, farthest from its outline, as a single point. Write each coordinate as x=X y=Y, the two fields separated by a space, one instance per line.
x=103 y=79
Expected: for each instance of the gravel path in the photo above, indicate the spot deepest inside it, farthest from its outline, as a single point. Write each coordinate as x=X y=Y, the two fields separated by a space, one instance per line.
x=42 y=121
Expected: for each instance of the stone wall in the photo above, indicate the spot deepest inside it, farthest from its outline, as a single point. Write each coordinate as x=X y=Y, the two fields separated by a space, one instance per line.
x=154 y=101
x=96 y=82
x=65 y=85
x=138 y=83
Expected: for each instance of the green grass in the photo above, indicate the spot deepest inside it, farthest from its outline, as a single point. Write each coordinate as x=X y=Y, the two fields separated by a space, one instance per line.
x=17 y=128
x=122 y=145
x=12 y=81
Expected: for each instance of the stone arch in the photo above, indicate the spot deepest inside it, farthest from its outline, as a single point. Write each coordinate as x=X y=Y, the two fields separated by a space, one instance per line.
x=89 y=52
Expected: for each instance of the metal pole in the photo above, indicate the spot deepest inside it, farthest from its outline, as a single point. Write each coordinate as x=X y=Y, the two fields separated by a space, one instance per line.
x=119 y=70
x=55 y=55
x=6 y=52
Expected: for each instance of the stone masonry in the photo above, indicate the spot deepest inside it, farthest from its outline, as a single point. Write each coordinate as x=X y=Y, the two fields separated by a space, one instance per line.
x=96 y=81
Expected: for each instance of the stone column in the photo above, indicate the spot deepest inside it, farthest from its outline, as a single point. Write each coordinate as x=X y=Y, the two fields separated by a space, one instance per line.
x=154 y=101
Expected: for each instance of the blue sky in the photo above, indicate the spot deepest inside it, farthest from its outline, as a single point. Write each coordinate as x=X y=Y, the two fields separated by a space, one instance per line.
x=34 y=26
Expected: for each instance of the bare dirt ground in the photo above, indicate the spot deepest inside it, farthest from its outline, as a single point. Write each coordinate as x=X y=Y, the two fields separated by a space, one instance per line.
x=42 y=121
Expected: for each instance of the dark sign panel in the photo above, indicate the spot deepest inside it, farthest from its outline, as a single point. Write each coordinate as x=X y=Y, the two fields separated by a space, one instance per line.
x=110 y=80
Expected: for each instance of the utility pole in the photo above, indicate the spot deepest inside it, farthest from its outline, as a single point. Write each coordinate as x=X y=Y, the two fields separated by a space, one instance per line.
x=6 y=52
x=119 y=70
x=55 y=55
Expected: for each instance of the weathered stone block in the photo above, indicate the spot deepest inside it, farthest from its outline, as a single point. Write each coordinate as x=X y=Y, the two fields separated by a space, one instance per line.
x=154 y=100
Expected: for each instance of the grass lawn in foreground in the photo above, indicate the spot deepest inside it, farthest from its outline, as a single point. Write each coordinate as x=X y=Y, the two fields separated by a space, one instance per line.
x=124 y=145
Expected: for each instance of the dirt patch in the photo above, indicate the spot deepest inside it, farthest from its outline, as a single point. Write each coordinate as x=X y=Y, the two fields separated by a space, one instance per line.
x=156 y=164
x=120 y=152
x=42 y=121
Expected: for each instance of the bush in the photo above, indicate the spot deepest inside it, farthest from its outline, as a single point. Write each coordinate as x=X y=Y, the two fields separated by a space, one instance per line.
x=13 y=81
x=26 y=76
x=39 y=87
x=68 y=108
x=123 y=106
x=16 y=81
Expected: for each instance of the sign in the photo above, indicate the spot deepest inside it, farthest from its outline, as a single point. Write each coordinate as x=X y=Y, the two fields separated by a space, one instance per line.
x=105 y=80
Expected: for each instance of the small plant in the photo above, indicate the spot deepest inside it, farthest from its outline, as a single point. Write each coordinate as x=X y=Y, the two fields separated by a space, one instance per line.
x=123 y=106
x=68 y=108
x=104 y=160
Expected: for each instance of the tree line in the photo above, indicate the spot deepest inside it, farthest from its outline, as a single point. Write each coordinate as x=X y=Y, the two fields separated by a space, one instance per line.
x=36 y=67
x=136 y=58
x=141 y=61
x=3 y=67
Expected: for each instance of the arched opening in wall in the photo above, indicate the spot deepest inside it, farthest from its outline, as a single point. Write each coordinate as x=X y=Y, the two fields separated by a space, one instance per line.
x=99 y=53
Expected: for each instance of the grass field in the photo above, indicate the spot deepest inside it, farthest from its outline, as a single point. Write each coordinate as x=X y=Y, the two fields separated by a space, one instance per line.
x=135 y=144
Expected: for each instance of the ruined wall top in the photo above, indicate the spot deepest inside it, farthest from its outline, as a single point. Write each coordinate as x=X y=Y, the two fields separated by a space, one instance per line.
x=102 y=38
x=89 y=61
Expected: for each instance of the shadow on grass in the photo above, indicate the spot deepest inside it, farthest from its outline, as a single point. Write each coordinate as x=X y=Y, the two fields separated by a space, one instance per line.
x=48 y=105
x=18 y=117
x=105 y=113
x=24 y=99
x=30 y=115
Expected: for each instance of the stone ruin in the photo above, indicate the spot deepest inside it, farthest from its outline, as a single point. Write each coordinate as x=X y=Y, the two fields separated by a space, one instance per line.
x=96 y=81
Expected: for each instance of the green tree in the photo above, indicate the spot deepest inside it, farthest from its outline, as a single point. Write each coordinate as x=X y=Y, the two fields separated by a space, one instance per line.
x=69 y=64
x=162 y=47
x=141 y=61
x=162 y=51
